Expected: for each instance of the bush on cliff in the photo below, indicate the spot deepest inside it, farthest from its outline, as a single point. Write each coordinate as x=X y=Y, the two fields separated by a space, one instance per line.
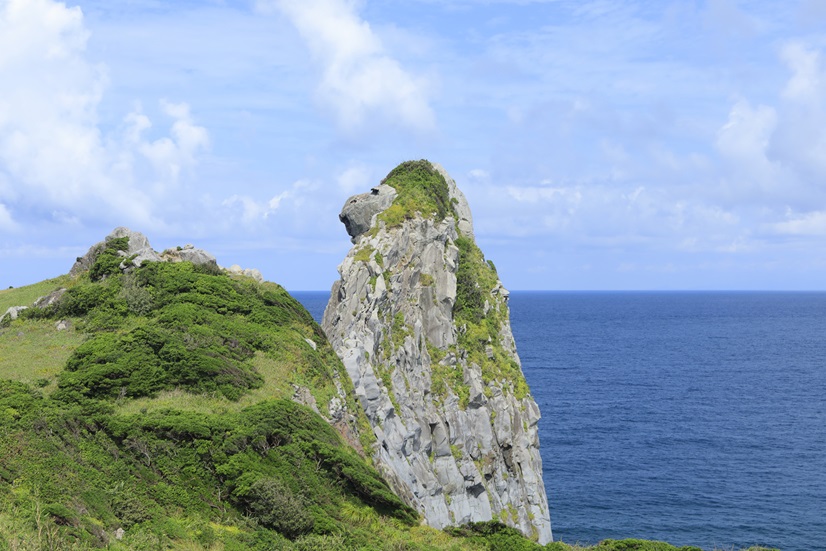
x=421 y=189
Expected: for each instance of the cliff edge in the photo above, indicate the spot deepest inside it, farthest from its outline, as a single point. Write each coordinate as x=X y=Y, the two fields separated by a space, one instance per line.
x=421 y=322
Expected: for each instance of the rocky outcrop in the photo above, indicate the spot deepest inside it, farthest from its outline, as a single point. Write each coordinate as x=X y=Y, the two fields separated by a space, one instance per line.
x=138 y=250
x=12 y=313
x=253 y=273
x=360 y=211
x=188 y=253
x=420 y=320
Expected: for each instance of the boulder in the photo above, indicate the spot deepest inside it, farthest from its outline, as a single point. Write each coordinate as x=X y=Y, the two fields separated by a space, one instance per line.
x=12 y=313
x=189 y=253
x=359 y=211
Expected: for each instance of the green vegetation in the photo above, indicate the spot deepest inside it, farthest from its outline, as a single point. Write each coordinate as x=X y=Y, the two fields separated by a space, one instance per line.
x=497 y=536
x=33 y=352
x=421 y=189
x=161 y=419
x=174 y=326
x=479 y=327
x=271 y=471
x=161 y=411
x=364 y=254
x=25 y=296
x=109 y=259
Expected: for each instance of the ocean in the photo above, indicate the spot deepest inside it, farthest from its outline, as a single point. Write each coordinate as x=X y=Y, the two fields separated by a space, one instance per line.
x=697 y=418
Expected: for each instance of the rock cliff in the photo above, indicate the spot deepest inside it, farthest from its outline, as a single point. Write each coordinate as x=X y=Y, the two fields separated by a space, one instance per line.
x=421 y=322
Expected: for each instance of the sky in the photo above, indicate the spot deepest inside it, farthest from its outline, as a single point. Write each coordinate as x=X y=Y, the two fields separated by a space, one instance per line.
x=602 y=144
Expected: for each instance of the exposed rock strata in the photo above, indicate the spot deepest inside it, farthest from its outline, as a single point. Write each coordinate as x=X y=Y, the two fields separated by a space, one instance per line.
x=456 y=428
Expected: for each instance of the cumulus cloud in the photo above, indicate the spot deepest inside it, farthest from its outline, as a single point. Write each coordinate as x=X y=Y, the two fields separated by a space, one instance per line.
x=252 y=212
x=775 y=155
x=360 y=81
x=169 y=155
x=800 y=139
x=55 y=160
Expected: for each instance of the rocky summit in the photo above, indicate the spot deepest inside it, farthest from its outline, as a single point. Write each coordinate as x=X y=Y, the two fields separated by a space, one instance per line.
x=421 y=322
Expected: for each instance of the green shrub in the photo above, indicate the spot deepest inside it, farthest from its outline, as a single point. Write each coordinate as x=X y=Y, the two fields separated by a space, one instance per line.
x=495 y=535
x=273 y=504
x=137 y=298
x=108 y=260
x=470 y=301
x=639 y=545
x=421 y=189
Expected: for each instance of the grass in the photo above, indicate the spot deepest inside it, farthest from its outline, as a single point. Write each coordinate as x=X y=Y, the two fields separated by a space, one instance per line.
x=178 y=468
x=421 y=190
x=25 y=296
x=34 y=352
x=277 y=376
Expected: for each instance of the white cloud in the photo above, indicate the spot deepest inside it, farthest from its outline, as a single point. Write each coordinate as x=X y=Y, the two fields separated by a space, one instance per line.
x=355 y=179
x=800 y=139
x=749 y=175
x=252 y=212
x=806 y=224
x=56 y=161
x=775 y=155
x=361 y=81
x=747 y=131
x=479 y=175
x=170 y=155
x=807 y=81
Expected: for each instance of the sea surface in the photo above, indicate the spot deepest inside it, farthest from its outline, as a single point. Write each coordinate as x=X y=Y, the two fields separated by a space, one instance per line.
x=697 y=418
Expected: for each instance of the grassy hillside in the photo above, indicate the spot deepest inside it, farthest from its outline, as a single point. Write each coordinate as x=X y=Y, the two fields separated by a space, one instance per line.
x=161 y=418
x=161 y=415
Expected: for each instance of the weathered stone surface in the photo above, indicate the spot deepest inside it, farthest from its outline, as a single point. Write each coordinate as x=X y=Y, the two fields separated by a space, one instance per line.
x=359 y=210
x=51 y=298
x=189 y=253
x=12 y=312
x=390 y=318
x=255 y=274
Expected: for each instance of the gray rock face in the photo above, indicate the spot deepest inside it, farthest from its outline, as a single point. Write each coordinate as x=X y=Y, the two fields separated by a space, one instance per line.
x=456 y=442
x=188 y=253
x=52 y=298
x=359 y=211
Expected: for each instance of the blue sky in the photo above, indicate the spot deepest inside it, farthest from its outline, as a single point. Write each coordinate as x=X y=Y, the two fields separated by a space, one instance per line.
x=601 y=144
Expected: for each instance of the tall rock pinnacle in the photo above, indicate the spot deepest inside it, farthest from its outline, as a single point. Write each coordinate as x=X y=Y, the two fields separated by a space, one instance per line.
x=421 y=321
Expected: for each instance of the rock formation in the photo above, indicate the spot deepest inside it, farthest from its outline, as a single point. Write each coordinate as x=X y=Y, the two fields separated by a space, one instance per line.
x=421 y=322
x=138 y=251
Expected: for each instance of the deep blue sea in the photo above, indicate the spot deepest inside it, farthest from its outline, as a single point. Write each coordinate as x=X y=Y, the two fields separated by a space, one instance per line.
x=698 y=418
